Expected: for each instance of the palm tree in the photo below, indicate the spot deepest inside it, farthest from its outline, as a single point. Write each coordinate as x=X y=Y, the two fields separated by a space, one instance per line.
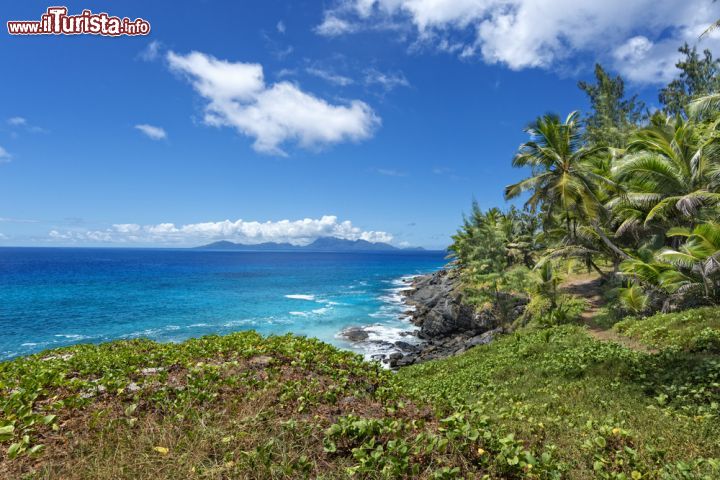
x=701 y=107
x=633 y=299
x=669 y=174
x=563 y=179
x=696 y=263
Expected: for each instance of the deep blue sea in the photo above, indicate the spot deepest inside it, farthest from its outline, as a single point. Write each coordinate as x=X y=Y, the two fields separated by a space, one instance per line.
x=52 y=297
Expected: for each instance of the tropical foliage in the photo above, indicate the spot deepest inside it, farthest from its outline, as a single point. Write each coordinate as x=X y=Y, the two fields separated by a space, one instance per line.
x=633 y=196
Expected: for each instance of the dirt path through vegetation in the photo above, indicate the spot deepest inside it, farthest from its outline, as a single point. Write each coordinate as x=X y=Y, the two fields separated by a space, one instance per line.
x=589 y=287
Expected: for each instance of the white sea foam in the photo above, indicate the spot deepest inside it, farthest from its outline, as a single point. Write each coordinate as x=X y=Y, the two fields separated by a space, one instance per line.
x=314 y=312
x=301 y=296
x=381 y=339
x=392 y=322
x=240 y=323
x=279 y=321
x=379 y=332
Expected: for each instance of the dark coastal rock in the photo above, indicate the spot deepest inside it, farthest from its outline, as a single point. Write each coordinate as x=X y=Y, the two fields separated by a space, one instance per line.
x=441 y=311
x=355 y=334
x=407 y=347
x=448 y=325
x=482 y=339
x=394 y=358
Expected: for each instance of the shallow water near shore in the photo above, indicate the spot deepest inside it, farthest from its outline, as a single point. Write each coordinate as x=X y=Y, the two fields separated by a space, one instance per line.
x=60 y=296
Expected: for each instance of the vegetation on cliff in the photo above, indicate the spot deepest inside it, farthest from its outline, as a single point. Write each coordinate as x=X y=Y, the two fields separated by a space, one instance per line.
x=629 y=196
x=544 y=403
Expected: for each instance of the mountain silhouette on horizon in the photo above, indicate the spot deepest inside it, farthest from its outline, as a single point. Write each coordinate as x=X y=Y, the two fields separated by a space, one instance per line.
x=322 y=244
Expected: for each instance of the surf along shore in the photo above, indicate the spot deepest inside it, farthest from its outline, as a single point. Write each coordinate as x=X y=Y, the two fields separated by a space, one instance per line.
x=443 y=323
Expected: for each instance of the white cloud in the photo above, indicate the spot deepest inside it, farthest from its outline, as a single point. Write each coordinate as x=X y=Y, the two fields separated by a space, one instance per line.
x=633 y=50
x=152 y=132
x=17 y=121
x=389 y=172
x=643 y=61
x=152 y=51
x=297 y=232
x=23 y=123
x=281 y=53
x=286 y=72
x=280 y=26
x=17 y=220
x=330 y=76
x=4 y=155
x=388 y=81
x=640 y=35
x=274 y=114
x=333 y=26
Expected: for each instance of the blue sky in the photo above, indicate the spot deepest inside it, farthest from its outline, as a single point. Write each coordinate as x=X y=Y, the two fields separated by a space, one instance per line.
x=375 y=119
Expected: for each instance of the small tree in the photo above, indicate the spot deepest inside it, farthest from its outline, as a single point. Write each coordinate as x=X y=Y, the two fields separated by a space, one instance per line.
x=699 y=75
x=613 y=116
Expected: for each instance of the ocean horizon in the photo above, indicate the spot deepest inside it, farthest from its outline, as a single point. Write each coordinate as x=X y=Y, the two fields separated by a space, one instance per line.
x=56 y=297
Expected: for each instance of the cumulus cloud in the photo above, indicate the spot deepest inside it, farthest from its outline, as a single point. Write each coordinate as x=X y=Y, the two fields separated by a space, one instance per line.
x=541 y=33
x=152 y=132
x=297 y=232
x=238 y=97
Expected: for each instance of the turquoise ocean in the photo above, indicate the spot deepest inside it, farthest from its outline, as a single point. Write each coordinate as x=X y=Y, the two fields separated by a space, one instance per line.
x=53 y=297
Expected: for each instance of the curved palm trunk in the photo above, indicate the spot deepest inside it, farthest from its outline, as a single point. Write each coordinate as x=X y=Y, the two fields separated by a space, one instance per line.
x=609 y=243
x=594 y=266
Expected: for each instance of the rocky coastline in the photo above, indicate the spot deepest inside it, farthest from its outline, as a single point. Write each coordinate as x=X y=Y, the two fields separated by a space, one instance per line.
x=446 y=324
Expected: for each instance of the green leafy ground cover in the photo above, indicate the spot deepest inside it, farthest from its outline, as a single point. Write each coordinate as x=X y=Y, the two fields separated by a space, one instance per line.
x=696 y=330
x=601 y=410
x=550 y=403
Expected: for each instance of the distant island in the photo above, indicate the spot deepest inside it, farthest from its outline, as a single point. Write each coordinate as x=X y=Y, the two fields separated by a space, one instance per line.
x=323 y=244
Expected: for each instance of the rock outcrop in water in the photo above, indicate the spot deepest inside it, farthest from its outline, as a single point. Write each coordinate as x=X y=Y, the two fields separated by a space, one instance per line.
x=448 y=324
x=439 y=307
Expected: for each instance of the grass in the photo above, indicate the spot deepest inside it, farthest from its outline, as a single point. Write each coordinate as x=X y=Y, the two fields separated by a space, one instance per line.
x=549 y=403
x=602 y=410
x=696 y=330
x=239 y=406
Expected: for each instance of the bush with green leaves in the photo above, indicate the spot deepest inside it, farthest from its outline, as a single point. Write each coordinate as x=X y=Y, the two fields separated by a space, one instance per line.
x=694 y=330
x=603 y=411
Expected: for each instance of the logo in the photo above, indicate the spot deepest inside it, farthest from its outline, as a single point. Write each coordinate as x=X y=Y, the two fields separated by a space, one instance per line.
x=56 y=21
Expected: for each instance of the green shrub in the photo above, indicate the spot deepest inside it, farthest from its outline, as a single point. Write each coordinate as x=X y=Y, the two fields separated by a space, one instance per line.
x=693 y=330
x=603 y=411
x=541 y=313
